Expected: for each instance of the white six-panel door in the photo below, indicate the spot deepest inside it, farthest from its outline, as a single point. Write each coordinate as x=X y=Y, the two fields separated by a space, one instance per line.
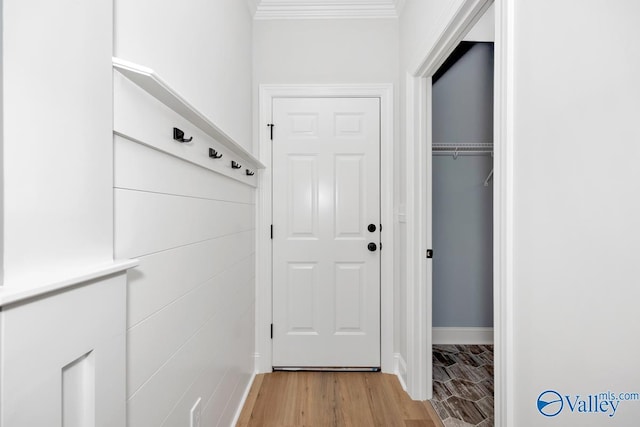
x=326 y=193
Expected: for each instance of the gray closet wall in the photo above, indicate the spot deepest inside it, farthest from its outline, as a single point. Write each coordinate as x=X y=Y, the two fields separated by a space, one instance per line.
x=462 y=205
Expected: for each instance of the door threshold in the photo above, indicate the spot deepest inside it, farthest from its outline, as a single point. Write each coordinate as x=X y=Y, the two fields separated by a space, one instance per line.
x=327 y=368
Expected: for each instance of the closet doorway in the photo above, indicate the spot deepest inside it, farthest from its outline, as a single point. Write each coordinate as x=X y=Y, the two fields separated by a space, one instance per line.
x=462 y=215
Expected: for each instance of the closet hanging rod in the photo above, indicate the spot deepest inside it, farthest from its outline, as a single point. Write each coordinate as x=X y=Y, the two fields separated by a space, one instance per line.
x=462 y=153
x=461 y=149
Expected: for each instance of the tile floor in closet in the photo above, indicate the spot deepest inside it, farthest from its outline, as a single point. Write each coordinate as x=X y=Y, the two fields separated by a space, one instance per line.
x=463 y=385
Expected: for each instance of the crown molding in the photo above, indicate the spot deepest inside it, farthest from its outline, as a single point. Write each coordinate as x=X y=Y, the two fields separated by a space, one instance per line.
x=325 y=9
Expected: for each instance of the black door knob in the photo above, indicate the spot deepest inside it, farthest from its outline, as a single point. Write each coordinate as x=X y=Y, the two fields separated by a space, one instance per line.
x=372 y=247
x=371 y=227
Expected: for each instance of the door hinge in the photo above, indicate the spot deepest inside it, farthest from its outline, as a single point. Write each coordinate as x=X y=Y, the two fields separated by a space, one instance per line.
x=429 y=253
x=380 y=245
x=380 y=227
x=271 y=231
x=270 y=125
x=272 y=331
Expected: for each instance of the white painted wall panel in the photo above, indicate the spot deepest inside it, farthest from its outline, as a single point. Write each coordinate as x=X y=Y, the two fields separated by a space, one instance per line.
x=576 y=209
x=57 y=170
x=421 y=24
x=203 y=49
x=146 y=223
x=238 y=362
x=207 y=350
x=170 y=175
x=156 y=339
x=40 y=337
x=146 y=119
x=236 y=378
x=326 y=51
x=190 y=311
x=158 y=282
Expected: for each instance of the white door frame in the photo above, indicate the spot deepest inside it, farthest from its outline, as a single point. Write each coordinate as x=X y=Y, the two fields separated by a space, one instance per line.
x=418 y=165
x=384 y=92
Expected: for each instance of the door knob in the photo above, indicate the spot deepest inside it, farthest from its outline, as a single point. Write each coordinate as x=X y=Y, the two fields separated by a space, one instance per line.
x=372 y=247
x=371 y=227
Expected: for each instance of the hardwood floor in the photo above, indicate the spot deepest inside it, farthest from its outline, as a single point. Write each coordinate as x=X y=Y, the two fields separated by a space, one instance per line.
x=333 y=399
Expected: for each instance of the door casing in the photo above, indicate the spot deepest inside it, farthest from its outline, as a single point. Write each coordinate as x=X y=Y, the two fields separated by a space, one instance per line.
x=264 y=255
x=418 y=140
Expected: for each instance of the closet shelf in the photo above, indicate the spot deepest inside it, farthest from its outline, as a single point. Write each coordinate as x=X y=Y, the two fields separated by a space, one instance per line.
x=148 y=80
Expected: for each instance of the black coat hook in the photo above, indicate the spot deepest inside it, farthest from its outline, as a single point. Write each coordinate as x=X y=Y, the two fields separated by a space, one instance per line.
x=235 y=165
x=250 y=173
x=178 y=135
x=214 y=154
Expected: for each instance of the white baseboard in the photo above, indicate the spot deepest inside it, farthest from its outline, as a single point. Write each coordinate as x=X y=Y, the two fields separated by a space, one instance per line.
x=244 y=399
x=400 y=369
x=463 y=335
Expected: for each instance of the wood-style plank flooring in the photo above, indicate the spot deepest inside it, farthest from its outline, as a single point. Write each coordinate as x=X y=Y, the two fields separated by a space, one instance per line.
x=333 y=399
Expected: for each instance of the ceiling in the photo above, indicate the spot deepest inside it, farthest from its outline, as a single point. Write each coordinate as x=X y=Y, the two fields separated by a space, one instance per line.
x=316 y=9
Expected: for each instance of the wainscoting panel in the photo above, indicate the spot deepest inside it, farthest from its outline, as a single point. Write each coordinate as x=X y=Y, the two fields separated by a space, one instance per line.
x=190 y=323
x=63 y=357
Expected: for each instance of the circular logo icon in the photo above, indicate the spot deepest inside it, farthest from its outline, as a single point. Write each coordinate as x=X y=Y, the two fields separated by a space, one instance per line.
x=550 y=403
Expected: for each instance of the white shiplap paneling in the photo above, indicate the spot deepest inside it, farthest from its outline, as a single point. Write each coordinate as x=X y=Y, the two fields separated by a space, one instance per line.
x=157 y=282
x=191 y=301
x=153 y=341
x=170 y=175
x=208 y=353
x=146 y=223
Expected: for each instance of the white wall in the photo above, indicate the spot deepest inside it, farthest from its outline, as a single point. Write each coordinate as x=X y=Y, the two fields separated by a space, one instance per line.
x=576 y=229
x=57 y=218
x=575 y=217
x=201 y=48
x=484 y=30
x=56 y=138
x=190 y=321
x=191 y=301
x=325 y=51
x=42 y=338
x=421 y=23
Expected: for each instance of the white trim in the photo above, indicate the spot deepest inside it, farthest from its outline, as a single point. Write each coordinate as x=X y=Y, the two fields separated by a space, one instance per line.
x=400 y=369
x=503 y=193
x=418 y=158
x=13 y=293
x=247 y=390
x=465 y=17
x=264 y=252
x=418 y=293
x=442 y=335
x=327 y=9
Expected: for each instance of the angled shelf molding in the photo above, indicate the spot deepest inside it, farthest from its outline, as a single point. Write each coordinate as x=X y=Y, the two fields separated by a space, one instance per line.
x=149 y=81
x=38 y=285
